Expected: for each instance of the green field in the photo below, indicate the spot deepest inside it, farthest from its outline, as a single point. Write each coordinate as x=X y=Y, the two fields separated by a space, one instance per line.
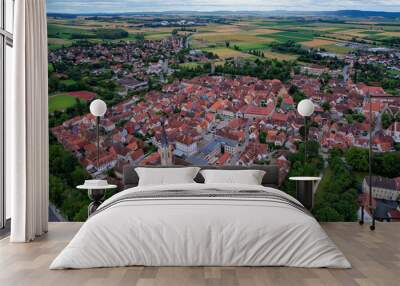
x=66 y=32
x=296 y=36
x=60 y=102
x=337 y=49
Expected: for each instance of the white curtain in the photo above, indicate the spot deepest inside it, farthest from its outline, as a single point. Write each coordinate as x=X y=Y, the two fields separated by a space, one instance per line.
x=27 y=124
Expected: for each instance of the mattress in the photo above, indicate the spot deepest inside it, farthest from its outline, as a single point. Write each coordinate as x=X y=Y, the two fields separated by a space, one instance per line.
x=201 y=225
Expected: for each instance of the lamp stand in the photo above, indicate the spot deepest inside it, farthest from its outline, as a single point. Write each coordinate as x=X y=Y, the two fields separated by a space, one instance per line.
x=372 y=226
x=98 y=140
x=305 y=140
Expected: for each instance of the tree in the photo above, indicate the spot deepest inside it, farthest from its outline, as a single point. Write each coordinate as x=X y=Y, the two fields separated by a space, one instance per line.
x=324 y=79
x=397 y=117
x=326 y=212
x=386 y=120
x=139 y=37
x=326 y=106
x=111 y=33
x=336 y=198
x=386 y=164
x=262 y=137
x=357 y=158
x=279 y=102
x=56 y=189
x=78 y=176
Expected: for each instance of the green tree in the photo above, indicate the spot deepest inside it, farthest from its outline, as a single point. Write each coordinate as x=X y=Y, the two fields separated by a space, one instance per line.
x=56 y=190
x=326 y=106
x=386 y=120
x=325 y=212
x=262 y=137
x=357 y=158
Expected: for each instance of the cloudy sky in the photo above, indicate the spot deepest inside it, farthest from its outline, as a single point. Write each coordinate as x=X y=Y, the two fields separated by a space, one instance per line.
x=95 y=6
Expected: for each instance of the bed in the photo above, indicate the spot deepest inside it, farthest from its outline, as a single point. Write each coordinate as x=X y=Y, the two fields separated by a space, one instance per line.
x=197 y=224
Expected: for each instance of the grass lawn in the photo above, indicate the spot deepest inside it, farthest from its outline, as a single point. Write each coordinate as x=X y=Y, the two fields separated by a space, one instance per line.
x=60 y=102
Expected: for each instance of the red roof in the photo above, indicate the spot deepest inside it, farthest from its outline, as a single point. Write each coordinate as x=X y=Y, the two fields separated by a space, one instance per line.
x=265 y=111
x=288 y=100
x=225 y=157
x=137 y=154
x=187 y=140
x=151 y=159
x=280 y=117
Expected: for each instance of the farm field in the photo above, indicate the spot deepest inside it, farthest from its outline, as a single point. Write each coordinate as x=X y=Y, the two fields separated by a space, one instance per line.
x=60 y=102
x=224 y=53
x=235 y=37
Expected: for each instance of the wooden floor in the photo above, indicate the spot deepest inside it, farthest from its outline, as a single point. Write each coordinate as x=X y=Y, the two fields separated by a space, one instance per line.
x=375 y=257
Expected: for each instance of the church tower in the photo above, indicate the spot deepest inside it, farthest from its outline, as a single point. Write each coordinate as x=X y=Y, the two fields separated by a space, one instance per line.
x=165 y=149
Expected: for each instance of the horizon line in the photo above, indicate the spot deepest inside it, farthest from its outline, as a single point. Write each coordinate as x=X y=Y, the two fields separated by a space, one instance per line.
x=214 y=11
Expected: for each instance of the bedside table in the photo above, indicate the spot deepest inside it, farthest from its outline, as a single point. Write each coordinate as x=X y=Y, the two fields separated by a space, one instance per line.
x=96 y=194
x=304 y=190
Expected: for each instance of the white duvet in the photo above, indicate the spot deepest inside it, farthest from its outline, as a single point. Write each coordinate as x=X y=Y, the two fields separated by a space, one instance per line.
x=202 y=232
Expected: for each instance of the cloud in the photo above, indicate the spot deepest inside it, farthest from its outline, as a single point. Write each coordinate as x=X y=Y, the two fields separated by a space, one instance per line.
x=95 y=6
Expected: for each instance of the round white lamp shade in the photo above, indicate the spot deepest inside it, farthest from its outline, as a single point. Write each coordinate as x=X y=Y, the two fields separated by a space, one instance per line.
x=98 y=107
x=305 y=107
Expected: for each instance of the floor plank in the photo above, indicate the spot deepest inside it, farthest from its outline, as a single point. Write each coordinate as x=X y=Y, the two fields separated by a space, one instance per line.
x=375 y=257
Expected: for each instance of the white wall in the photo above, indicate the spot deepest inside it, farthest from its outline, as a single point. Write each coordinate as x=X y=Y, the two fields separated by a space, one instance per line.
x=9 y=65
x=9 y=26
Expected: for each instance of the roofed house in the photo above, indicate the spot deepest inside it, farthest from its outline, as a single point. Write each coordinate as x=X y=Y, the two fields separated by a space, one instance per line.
x=186 y=145
x=250 y=111
x=382 y=142
x=131 y=84
x=394 y=131
x=382 y=188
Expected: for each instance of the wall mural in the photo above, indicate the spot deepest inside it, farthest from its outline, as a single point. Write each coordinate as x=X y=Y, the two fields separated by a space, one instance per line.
x=206 y=89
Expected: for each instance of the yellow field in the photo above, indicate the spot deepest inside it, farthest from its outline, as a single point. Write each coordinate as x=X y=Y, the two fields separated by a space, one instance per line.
x=56 y=41
x=159 y=36
x=227 y=53
x=317 y=43
x=279 y=56
x=222 y=37
x=351 y=33
x=263 y=31
x=215 y=28
x=392 y=34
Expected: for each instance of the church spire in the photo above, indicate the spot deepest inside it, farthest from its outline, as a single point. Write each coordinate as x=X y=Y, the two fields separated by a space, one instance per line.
x=165 y=149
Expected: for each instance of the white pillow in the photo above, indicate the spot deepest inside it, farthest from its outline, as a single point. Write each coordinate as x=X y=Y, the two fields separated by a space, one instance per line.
x=247 y=177
x=166 y=176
